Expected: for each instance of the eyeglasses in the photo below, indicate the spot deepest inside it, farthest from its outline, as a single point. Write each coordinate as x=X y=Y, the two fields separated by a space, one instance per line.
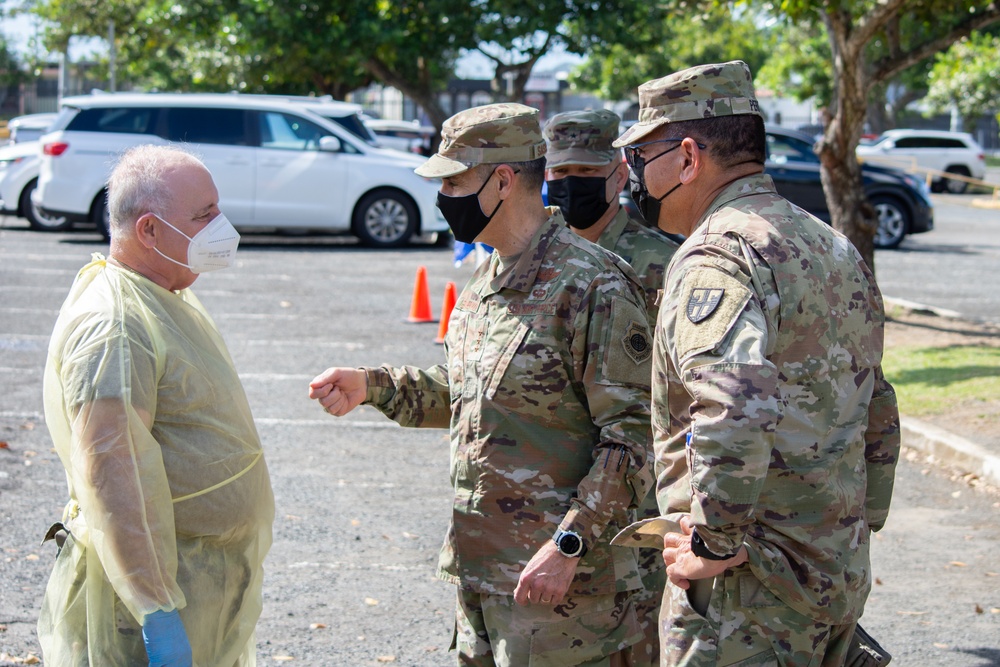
x=636 y=161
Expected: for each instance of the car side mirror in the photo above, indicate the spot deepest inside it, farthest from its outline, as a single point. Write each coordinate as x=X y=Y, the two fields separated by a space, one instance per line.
x=329 y=144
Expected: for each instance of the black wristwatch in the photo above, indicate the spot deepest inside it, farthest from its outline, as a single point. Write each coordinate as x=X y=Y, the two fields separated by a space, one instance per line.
x=569 y=544
x=700 y=549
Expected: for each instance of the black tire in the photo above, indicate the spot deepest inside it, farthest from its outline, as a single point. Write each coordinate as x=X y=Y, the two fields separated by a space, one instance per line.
x=101 y=216
x=37 y=218
x=894 y=221
x=955 y=186
x=385 y=218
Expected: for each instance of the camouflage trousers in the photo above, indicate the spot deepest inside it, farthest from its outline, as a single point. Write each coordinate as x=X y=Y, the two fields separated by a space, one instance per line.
x=582 y=631
x=744 y=624
x=653 y=571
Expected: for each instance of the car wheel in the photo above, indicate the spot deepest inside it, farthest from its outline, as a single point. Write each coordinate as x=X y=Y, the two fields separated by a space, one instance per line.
x=385 y=219
x=893 y=221
x=39 y=219
x=955 y=186
x=101 y=216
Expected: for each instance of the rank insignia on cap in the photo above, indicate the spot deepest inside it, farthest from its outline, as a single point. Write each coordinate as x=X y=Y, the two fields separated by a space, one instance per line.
x=703 y=302
x=636 y=342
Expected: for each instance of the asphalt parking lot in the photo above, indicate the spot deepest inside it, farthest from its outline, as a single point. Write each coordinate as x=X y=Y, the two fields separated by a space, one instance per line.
x=362 y=505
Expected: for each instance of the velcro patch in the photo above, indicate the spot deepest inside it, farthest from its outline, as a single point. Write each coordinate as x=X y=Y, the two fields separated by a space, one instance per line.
x=713 y=301
x=531 y=308
x=636 y=342
x=627 y=346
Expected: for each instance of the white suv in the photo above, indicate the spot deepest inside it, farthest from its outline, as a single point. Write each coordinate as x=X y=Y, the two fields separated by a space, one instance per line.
x=953 y=152
x=277 y=164
x=18 y=178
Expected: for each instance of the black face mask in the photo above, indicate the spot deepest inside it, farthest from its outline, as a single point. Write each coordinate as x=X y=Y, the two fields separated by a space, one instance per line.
x=465 y=215
x=649 y=206
x=580 y=198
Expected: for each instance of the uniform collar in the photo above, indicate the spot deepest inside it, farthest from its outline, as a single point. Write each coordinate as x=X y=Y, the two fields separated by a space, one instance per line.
x=522 y=275
x=609 y=237
x=747 y=186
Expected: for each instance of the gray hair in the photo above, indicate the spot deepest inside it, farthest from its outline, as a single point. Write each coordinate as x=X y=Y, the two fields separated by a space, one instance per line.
x=135 y=187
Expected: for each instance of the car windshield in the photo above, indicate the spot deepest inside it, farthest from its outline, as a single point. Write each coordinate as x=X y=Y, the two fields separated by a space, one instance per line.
x=782 y=149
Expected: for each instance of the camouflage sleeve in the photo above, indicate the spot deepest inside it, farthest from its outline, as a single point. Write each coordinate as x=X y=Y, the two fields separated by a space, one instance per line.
x=616 y=377
x=411 y=396
x=882 y=441
x=720 y=339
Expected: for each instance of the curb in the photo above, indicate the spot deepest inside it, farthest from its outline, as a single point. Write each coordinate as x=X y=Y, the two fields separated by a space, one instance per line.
x=951 y=448
x=986 y=203
x=921 y=308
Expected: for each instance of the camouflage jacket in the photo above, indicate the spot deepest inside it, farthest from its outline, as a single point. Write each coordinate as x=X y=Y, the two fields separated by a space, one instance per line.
x=546 y=389
x=646 y=250
x=772 y=423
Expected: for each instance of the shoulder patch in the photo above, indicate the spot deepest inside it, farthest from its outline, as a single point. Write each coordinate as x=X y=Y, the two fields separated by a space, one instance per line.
x=636 y=342
x=713 y=300
x=626 y=346
x=702 y=303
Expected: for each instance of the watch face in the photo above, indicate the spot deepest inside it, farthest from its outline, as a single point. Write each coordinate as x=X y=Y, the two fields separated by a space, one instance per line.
x=569 y=544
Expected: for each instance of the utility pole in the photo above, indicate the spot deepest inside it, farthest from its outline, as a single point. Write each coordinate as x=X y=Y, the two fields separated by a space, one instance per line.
x=111 y=54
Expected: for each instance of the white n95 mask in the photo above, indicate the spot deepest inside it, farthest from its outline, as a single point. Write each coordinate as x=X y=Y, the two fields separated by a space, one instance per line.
x=211 y=249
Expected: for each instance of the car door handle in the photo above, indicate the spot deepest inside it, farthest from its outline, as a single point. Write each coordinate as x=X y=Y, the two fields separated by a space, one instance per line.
x=237 y=160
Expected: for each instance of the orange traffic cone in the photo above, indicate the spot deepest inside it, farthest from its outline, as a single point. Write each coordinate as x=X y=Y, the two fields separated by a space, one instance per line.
x=450 y=297
x=420 y=308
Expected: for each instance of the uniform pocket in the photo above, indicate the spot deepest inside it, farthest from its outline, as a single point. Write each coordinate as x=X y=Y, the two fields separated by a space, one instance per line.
x=503 y=360
x=598 y=633
x=684 y=632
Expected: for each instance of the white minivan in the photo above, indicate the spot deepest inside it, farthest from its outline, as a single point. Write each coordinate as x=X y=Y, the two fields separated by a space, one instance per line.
x=277 y=164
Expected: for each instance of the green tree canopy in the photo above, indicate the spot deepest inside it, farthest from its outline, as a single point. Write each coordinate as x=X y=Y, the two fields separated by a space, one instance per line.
x=967 y=77
x=680 y=38
x=514 y=34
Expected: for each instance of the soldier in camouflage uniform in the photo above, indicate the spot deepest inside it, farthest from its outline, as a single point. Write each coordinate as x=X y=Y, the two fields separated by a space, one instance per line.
x=585 y=175
x=776 y=435
x=545 y=389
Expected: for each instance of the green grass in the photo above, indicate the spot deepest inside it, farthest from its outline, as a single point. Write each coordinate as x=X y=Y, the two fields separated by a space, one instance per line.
x=992 y=161
x=930 y=381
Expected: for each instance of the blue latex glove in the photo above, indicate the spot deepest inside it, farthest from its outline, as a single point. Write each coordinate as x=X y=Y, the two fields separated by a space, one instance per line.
x=166 y=640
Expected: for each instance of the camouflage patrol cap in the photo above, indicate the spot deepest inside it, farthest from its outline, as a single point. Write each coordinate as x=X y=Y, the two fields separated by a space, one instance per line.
x=581 y=137
x=705 y=91
x=488 y=134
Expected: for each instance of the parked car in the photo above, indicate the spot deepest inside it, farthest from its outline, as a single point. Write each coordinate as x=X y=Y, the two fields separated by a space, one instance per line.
x=277 y=164
x=349 y=116
x=408 y=136
x=29 y=127
x=901 y=201
x=953 y=152
x=19 y=165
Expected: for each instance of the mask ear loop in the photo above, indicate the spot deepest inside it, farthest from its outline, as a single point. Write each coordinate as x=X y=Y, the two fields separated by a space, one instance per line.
x=163 y=254
x=500 y=203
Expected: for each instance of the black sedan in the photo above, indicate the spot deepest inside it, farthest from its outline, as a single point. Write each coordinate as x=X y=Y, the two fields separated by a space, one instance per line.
x=901 y=201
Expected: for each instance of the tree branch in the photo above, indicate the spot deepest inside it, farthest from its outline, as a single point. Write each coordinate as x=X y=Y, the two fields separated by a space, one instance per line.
x=870 y=23
x=887 y=68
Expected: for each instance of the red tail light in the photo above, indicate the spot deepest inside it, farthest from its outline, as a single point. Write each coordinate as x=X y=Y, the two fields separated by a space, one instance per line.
x=55 y=148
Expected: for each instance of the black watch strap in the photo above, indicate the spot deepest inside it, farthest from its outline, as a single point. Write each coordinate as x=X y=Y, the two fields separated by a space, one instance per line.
x=701 y=550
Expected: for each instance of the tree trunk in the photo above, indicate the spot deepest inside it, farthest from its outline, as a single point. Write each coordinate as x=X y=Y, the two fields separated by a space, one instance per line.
x=840 y=171
x=878 y=116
